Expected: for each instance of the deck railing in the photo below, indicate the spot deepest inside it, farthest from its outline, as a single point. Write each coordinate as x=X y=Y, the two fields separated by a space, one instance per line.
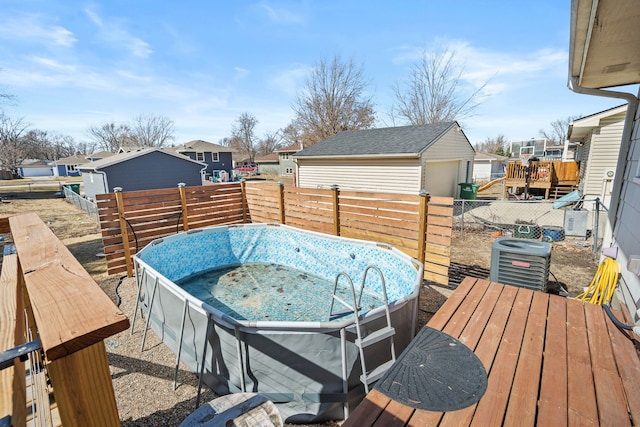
x=417 y=224
x=47 y=294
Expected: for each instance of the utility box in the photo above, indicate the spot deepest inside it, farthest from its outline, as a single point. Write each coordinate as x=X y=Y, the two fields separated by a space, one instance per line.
x=575 y=222
x=522 y=263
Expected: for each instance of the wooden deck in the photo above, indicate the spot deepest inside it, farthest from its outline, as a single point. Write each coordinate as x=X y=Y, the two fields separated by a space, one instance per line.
x=550 y=361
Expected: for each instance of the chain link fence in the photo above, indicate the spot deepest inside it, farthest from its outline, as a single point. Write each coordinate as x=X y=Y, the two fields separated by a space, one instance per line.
x=89 y=207
x=532 y=219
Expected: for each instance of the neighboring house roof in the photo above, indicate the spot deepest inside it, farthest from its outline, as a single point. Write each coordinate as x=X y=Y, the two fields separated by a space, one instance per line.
x=490 y=157
x=580 y=128
x=202 y=146
x=100 y=155
x=290 y=149
x=78 y=159
x=269 y=158
x=34 y=163
x=404 y=141
x=121 y=157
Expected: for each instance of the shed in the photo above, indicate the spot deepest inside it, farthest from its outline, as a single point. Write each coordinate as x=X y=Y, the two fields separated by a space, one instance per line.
x=405 y=159
x=269 y=164
x=487 y=166
x=35 y=167
x=146 y=169
x=598 y=136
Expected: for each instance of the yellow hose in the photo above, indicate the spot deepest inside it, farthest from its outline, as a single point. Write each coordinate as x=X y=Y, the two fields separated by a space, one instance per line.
x=603 y=284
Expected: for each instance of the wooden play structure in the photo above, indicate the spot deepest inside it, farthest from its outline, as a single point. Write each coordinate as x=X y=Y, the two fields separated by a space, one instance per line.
x=555 y=177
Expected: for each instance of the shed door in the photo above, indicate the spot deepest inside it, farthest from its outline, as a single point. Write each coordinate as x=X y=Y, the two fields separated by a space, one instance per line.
x=441 y=178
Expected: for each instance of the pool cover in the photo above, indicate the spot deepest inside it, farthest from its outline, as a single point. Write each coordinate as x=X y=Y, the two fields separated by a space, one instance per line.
x=435 y=372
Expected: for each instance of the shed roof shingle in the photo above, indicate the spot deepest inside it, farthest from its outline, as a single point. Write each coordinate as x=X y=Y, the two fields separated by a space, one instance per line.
x=407 y=140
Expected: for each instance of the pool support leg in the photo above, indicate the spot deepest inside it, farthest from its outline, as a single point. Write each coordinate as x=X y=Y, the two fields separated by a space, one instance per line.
x=184 y=315
x=204 y=355
x=146 y=325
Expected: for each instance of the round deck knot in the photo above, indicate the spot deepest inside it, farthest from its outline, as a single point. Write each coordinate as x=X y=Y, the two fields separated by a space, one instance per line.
x=436 y=372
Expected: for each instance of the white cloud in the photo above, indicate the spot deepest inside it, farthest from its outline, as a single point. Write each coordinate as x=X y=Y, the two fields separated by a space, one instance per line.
x=241 y=72
x=51 y=63
x=31 y=28
x=280 y=14
x=115 y=34
x=290 y=80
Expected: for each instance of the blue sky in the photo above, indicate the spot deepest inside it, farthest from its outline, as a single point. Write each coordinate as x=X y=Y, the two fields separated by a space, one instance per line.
x=73 y=64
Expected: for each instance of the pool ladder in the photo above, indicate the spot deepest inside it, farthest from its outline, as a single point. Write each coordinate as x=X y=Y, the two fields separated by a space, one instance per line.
x=385 y=333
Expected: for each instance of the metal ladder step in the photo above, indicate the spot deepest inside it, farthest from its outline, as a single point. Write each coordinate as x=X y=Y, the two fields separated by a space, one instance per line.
x=375 y=374
x=377 y=336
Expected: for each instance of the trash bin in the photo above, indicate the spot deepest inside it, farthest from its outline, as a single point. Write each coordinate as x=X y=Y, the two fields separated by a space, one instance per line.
x=468 y=191
x=74 y=187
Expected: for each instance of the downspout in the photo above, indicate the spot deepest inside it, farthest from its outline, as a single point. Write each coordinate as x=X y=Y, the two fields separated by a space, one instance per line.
x=625 y=144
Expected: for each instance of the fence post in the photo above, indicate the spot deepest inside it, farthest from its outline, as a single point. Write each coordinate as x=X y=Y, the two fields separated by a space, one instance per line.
x=245 y=203
x=336 y=209
x=422 y=225
x=281 y=202
x=123 y=230
x=462 y=220
x=183 y=202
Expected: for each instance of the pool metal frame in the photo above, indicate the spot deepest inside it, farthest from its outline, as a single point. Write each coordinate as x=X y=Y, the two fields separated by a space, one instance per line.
x=142 y=270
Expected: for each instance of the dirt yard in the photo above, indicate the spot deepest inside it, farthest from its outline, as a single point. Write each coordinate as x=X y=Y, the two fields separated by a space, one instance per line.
x=136 y=388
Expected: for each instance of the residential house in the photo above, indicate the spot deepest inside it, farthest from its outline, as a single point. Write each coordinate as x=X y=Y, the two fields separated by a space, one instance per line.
x=99 y=155
x=68 y=166
x=146 y=169
x=598 y=137
x=604 y=53
x=487 y=167
x=216 y=157
x=286 y=159
x=436 y=157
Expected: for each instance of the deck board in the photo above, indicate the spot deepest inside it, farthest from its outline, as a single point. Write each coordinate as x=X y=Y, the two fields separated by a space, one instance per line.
x=550 y=361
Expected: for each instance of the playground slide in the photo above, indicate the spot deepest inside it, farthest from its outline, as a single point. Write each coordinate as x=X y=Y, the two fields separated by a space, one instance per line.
x=490 y=184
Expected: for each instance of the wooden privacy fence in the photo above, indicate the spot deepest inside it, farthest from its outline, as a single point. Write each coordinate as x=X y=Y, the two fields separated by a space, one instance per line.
x=45 y=294
x=419 y=225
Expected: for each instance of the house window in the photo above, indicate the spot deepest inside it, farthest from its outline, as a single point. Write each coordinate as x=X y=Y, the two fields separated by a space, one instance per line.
x=284 y=156
x=71 y=168
x=200 y=157
x=214 y=157
x=288 y=171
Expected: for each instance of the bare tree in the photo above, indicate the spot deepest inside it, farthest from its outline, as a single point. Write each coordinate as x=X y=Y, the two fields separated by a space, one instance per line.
x=13 y=146
x=110 y=136
x=495 y=145
x=334 y=100
x=149 y=130
x=557 y=135
x=435 y=91
x=243 y=135
x=47 y=145
x=269 y=143
x=6 y=98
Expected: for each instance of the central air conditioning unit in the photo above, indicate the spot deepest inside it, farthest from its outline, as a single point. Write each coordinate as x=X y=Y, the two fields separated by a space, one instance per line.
x=522 y=263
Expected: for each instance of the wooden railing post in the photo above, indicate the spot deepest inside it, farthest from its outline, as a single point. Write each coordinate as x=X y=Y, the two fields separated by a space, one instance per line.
x=123 y=230
x=336 y=209
x=245 y=202
x=281 y=202
x=422 y=226
x=183 y=201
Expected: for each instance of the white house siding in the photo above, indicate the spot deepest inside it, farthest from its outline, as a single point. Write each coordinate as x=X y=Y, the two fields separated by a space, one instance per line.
x=603 y=156
x=386 y=175
x=451 y=146
x=481 y=171
x=627 y=233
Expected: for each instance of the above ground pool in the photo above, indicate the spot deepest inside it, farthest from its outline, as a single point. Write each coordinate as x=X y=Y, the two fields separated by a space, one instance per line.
x=261 y=295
